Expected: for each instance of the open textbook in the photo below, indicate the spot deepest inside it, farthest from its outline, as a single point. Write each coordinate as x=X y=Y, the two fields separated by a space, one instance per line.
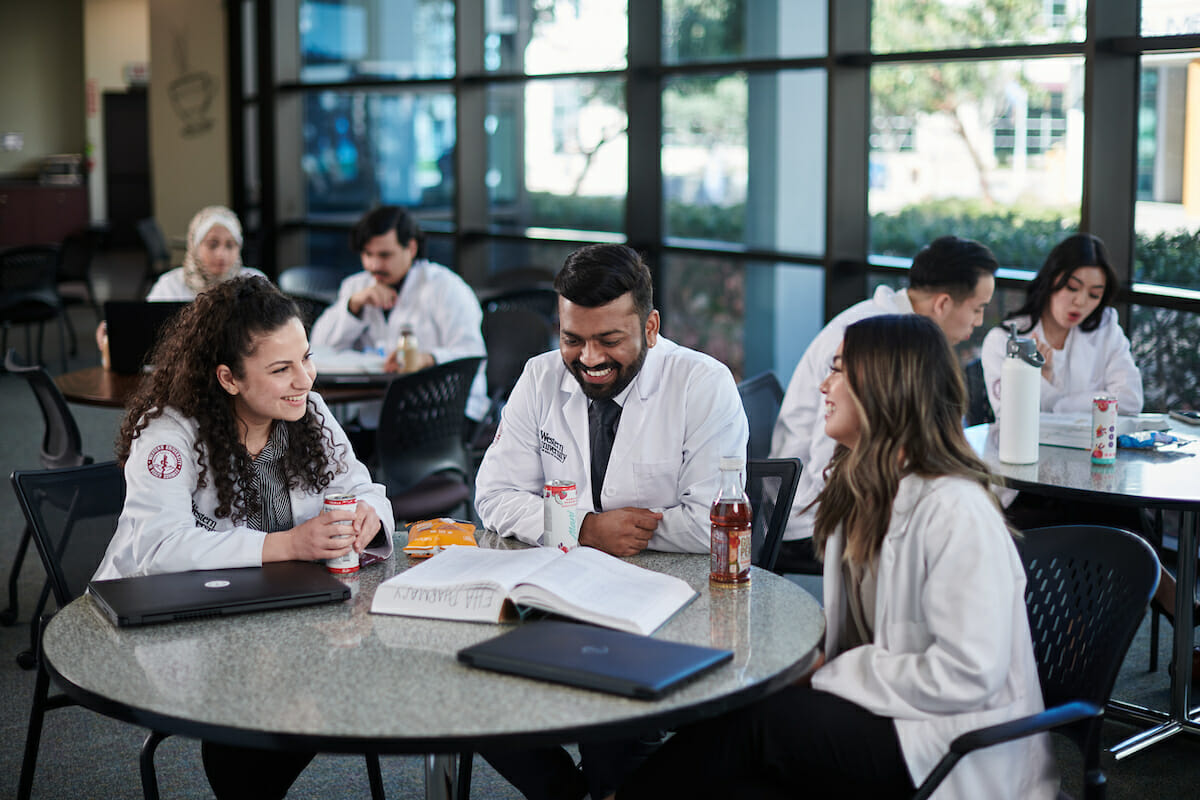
x=1075 y=430
x=476 y=584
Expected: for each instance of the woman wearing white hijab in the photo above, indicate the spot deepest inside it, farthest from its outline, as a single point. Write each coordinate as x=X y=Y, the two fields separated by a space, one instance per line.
x=214 y=254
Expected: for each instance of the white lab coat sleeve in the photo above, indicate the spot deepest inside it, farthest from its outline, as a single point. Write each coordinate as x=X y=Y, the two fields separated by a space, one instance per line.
x=716 y=427
x=992 y=355
x=337 y=328
x=1107 y=367
x=1123 y=379
x=457 y=315
x=355 y=479
x=955 y=654
x=508 y=486
x=157 y=531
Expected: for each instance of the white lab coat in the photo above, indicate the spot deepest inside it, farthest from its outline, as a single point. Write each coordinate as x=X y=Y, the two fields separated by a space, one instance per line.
x=170 y=525
x=171 y=288
x=434 y=302
x=1090 y=362
x=681 y=414
x=952 y=649
x=800 y=427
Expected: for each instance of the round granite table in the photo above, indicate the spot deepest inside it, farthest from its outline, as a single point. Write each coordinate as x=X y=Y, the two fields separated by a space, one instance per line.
x=1166 y=478
x=337 y=678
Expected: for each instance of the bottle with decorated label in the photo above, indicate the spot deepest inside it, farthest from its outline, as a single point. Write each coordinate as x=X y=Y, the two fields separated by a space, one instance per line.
x=730 y=525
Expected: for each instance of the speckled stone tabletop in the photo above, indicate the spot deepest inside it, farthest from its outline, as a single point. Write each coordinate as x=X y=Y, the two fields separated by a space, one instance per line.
x=337 y=677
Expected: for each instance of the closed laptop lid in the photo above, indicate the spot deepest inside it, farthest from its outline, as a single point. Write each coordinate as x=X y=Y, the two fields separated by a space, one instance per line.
x=133 y=328
x=594 y=658
x=214 y=592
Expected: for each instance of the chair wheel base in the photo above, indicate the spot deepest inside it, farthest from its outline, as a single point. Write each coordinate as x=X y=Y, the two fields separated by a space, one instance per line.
x=26 y=659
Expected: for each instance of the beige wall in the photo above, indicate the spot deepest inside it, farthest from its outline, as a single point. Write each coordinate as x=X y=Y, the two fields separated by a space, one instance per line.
x=41 y=92
x=189 y=138
x=116 y=33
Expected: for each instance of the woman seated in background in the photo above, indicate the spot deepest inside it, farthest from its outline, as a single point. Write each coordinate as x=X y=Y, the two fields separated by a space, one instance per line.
x=926 y=636
x=214 y=254
x=1068 y=310
x=228 y=456
x=1069 y=313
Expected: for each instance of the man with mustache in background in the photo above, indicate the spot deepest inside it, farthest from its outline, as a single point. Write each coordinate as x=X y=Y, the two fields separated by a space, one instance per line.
x=675 y=411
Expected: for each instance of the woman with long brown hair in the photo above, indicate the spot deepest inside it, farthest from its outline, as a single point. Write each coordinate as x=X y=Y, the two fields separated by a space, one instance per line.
x=926 y=636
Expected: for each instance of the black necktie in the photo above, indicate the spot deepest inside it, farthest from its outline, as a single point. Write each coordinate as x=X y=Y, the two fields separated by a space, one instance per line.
x=603 y=416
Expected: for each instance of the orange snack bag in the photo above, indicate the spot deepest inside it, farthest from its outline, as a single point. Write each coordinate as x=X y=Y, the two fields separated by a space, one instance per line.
x=431 y=536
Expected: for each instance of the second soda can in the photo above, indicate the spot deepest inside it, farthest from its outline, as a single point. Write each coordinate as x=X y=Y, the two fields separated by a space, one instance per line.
x=561 y=517
x=1104 y=429
x=341 y=502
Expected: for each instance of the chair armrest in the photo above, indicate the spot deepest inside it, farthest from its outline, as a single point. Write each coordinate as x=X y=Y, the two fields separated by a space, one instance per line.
x=1042 y=722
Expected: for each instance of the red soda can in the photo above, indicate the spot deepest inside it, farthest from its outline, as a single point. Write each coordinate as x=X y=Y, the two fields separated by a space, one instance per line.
x=341 y=502
x=560 y=517
x=1104 y=429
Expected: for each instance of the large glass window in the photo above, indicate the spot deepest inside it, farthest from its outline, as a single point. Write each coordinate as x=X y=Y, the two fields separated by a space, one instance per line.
x=363 y=149
x=902 y=26
x=544 y=37
x=558 y=154
x=986 y=150
x=723 y=30
x=1170 y=17
x=344 y=40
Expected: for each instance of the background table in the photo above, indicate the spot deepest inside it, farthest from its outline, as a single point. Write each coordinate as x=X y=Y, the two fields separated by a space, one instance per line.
x=96 y=386
x=336 y=678
x=1166 y=478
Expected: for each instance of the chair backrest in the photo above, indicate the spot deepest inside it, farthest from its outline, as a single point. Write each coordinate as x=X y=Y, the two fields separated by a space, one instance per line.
x=979 y=408
x=312 y=288
x=75 y=258
x=771 y=485
x=761 y=397
x=421 y=424
x=158 y=254
x=31 y=269
x=540 y=298
x=72 y=513
x=62 y=445
x=1087 y=590
x=513 y=336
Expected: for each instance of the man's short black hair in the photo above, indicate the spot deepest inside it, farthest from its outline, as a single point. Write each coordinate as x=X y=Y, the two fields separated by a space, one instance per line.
x=383 y=219
x=597 y=274
x=951 y=265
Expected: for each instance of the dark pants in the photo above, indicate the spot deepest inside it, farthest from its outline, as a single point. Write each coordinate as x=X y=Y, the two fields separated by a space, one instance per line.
x=549 y=773
x=796 y=742
x=243 y=773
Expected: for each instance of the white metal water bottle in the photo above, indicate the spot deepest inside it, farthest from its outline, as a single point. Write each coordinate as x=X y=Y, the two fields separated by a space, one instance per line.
x=1020 y=400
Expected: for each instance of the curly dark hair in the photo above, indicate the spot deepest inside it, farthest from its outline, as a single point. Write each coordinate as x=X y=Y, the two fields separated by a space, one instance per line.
x=223 y=326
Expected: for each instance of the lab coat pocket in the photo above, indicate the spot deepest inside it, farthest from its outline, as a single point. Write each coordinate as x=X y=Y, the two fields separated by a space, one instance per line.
x=907 y=637
x=656 y=484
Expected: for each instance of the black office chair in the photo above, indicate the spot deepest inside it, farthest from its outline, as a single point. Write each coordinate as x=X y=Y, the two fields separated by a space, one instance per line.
x=1087 y=591
x=422 y=459
x=512 y=336
x=62 y=446
x=771 y=486
x=29 y=296
x=158 y=253
x=761 y=397
x=979 y=407
x=313 y=288
x=72 y=513
x=539 y=297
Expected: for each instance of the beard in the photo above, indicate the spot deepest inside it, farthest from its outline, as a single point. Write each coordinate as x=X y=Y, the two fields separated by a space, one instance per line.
x=625 y=375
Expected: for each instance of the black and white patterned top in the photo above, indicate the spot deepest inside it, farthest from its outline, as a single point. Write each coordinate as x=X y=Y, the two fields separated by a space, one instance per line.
x=274 y=512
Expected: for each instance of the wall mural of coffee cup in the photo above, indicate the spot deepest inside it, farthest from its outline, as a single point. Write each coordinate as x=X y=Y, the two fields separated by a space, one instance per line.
x=191 y=94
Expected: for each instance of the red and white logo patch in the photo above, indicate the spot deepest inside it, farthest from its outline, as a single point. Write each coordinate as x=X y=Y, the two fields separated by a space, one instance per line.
x=164 y=462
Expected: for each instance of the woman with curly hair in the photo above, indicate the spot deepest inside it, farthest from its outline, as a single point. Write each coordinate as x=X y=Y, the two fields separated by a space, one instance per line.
x=228 y=455
x=926 y=631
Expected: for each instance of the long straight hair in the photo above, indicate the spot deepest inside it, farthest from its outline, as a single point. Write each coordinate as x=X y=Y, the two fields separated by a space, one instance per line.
x=1080 y=250
x=909 y=394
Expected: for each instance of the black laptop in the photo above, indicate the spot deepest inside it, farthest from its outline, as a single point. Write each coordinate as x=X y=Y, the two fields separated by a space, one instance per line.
x=133 y=328
x=215 y=592
x=594 y=658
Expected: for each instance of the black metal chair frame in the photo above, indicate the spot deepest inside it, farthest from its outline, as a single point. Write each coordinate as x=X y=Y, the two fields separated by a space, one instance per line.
x=771 y=511
x=29 y=295
x=1086 y=593
x=62 y=446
